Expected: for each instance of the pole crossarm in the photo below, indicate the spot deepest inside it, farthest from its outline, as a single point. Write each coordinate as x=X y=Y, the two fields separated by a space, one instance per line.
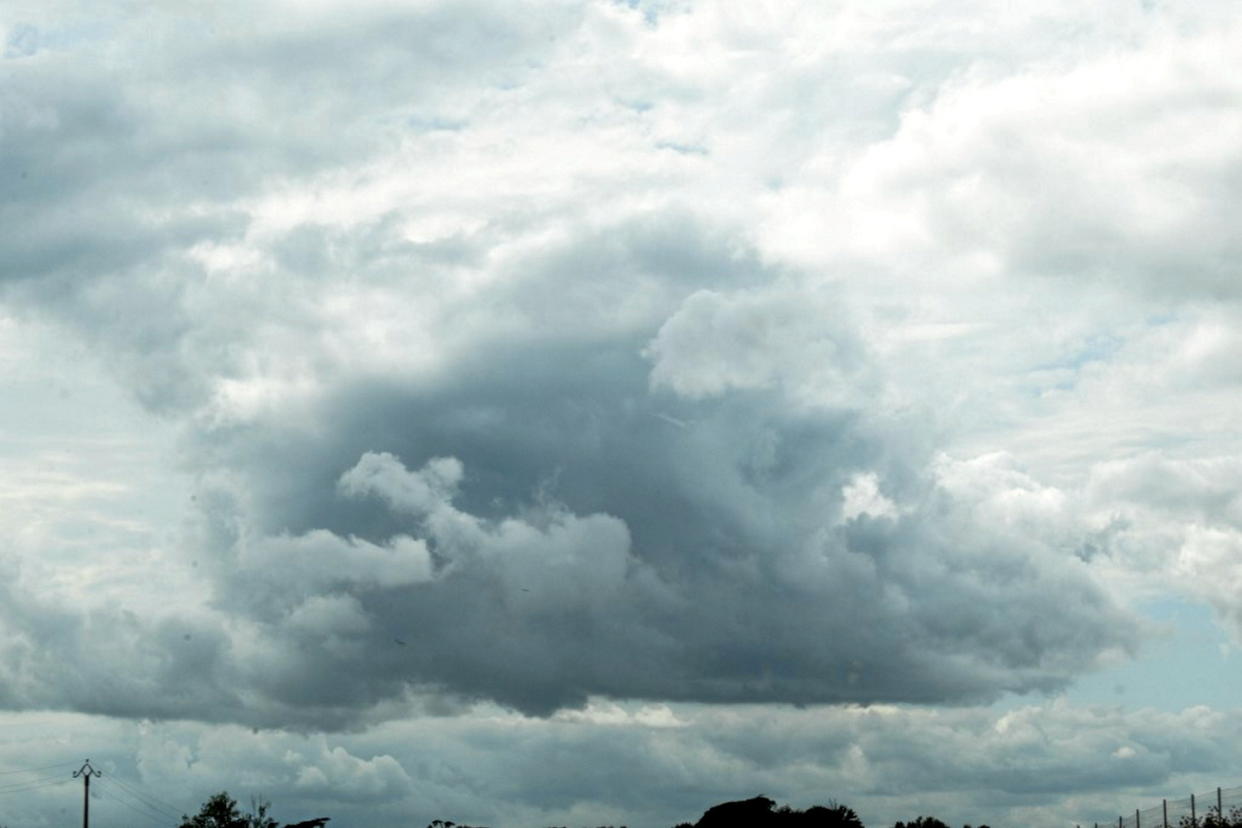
x=86 y=772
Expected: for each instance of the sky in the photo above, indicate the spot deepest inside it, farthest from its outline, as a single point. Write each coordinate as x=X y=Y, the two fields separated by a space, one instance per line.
x=583 y=412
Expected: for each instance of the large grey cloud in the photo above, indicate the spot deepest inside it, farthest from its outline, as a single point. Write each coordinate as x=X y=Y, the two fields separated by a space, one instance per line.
x=594 y=534
x=504 y=372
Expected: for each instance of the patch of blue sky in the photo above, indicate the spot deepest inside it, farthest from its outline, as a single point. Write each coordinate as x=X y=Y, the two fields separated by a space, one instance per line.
x=1192 y=663
x=650 y=9
x=27 y=39
x=1062 y=374
x=1098 y=348
x=636 y=105
x=684 y=149
x=22 y=41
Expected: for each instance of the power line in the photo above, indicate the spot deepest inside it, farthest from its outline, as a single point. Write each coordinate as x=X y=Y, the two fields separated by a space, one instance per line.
x=13 y=782
x=149 y=799
x=30 y=786
x=33 y=770
x=145 y=811
x=56 y=779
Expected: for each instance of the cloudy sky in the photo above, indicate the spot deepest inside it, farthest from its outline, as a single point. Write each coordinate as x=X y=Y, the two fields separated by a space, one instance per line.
x=580 y=411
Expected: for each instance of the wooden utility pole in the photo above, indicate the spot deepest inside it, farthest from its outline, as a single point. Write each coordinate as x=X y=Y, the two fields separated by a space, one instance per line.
x=86 y=772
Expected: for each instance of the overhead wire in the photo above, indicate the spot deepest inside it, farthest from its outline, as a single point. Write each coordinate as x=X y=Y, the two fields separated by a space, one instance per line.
x=149 y=799
x=30 y=786
x=154 y=806
x=54 y=777
x=13 y=786
x=42 y=768
x=142 y=810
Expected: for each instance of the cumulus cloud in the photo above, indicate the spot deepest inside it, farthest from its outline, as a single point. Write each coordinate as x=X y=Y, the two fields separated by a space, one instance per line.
x=936 y=596
x=718 y=343
x=942 y=594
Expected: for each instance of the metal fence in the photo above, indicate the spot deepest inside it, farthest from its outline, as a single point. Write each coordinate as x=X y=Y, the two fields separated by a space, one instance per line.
x=1221 y=808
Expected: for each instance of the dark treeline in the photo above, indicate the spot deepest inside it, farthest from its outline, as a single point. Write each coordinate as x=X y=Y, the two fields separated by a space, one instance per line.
x=221 y=811
x=1213 y=820
x=761 y=812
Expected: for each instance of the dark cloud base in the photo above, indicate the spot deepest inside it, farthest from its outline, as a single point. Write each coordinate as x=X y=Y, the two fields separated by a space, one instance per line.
x=605 y=539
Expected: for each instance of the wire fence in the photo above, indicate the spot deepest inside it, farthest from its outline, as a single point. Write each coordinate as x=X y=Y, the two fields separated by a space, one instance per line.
x=1221 y=808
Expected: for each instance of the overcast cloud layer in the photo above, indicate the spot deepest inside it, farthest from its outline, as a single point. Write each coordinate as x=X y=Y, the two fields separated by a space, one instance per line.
x=503 y=362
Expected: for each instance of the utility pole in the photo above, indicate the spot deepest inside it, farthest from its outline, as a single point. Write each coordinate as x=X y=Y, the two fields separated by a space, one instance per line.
x=86 y=772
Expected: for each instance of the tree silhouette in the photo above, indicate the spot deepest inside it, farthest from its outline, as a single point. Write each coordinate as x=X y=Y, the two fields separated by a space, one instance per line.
x=760 y=812
x=221 y=811
x=1212 y=819
x=756 y=811
x=833 y=815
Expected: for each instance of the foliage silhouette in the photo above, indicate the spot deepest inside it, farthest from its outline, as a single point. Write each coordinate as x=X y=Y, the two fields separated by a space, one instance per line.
x=1213 y=820
x=761 y=812
x=220 y=811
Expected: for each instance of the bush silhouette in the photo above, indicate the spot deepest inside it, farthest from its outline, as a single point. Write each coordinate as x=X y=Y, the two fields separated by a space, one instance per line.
x=220 y=811
x=761 y=812
x=1213 y=820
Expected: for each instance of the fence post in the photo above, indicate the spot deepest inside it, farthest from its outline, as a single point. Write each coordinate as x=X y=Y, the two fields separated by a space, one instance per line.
x=1194 y=820
x=1164 y=806
x=1220 y=813
x=1136 y=819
